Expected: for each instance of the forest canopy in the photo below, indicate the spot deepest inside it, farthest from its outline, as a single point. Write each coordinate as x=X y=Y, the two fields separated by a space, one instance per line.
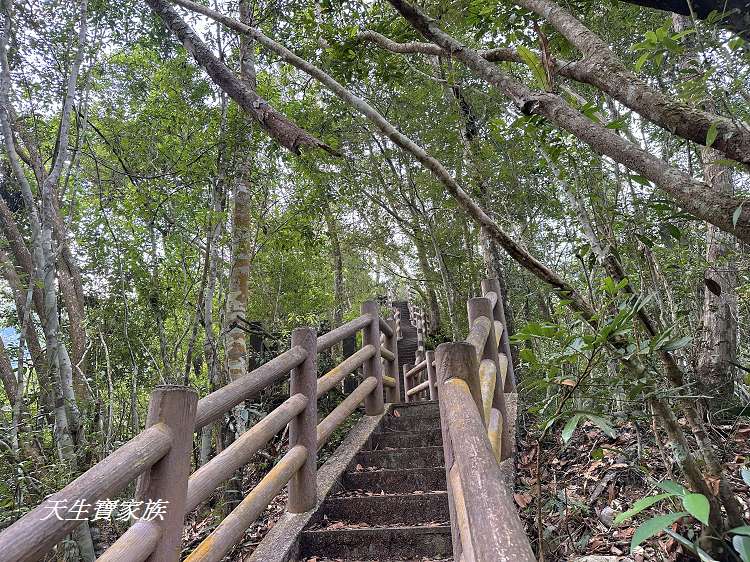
x=180 y=180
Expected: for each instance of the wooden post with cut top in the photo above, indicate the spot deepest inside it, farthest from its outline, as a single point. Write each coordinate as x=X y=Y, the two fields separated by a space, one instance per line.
x=391 y=343
x=375 y=402
x=454 y=360
x=407 y=382
x=493 y=285
x=477 y=307
x=166 y=482
x=303 y=427
x=431 y=375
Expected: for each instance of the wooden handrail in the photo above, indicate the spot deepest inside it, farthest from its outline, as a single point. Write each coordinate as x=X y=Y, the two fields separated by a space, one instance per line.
x=498 y=311
x=37 y=532
x=215 y=405
x=329 y=339
x=233 y=527
x=135 y=545
x=480 y=331
x=385 y=328
x=204 y=481
x=419 y=388
x=160 y=455
x=335 y=375
x=418 y=368
x=472 y=381
x=485 y=523
x=487 y=382
x=344 y=409
x=386 y=353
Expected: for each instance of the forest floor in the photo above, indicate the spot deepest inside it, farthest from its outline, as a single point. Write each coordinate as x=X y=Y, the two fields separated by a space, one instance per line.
x=594 y=477
x=585 y=483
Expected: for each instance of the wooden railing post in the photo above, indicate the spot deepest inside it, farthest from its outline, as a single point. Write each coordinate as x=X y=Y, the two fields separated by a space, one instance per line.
x=391 y=343
x=303 y=427
x=420 y=354
x=493 y=285
x=407 y=382
x=165 y=485
x=477 y=307
x=431 y=375
x=454 y=360
x=375 y=402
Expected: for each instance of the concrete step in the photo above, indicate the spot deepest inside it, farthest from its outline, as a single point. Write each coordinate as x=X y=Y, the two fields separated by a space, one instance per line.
x=386 y=543
x=417 y=457
x=412 y=423
x=425 y=408
x=406 y=439
x=388 y=509
x=394 y=481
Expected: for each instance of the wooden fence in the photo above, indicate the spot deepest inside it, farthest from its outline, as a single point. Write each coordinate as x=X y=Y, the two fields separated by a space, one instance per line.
x=471 y=380
x=159 y=457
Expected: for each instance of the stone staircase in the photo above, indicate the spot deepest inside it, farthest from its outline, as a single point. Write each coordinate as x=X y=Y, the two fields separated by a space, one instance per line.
x=407 y=345
x=392 y=502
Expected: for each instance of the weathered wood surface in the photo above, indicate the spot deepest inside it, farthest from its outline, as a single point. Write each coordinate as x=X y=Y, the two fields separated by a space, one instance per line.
x=493 y=286
x=388 y=382
x=344 y=410
x=207 y=478
x=421 y=387
x=497 y=534
x=233 y=527
x=135 y=545
x=431 y=374
x=480 y=309
x=173 y=406
x=487 y=381
x=385 y=327
x=331 y=338
x=375 y=401
x=303 y=427
x=393 y=394
x=348 y=365
x=386 y=353
x=213 y=407
x=416 y=369
x=481 y=327
x=37 y=532
x=407 y=381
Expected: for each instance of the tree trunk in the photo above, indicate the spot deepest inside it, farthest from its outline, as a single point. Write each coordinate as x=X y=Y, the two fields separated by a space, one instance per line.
x=433 y=306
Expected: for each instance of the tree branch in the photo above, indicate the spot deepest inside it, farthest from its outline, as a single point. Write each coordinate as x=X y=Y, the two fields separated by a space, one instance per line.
x=693 y=196
x=287 y=133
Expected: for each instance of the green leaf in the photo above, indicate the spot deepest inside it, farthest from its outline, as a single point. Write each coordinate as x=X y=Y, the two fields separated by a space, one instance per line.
x=602 y=424
x=654 y=526
x=672 y=487
x=570 y=427
x=642 y=60
x=677 y=343
x=697 y=505
x=702 y=554
x=742 y=546
x=744 y=530
x=640 y=505
x=535 y=65
x=711 y=135
x=736 y=215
